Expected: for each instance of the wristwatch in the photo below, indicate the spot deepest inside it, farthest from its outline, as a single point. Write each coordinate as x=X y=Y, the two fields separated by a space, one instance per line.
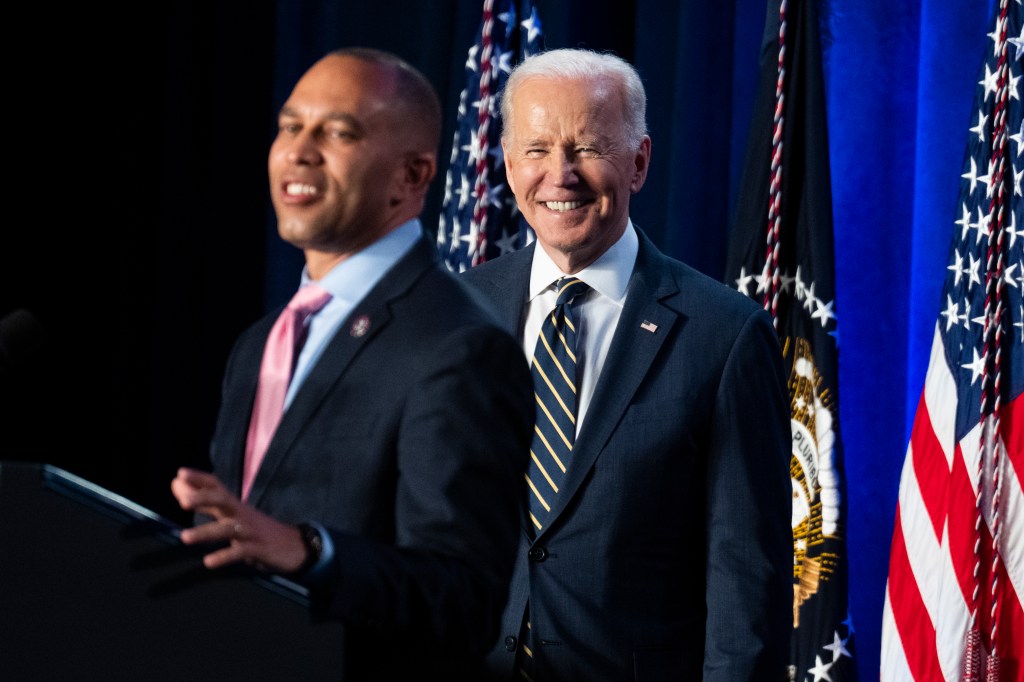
x=314 y=547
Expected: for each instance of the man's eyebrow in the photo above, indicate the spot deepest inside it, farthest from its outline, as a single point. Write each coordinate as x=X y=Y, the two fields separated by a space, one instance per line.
x=338 y=116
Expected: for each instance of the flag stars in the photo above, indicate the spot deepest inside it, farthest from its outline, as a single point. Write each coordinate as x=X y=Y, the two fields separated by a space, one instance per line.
x=820 y=670
x=502 y=62
x=497 y=155
x=1008 y=277
x=838 y=647
x=800 y=290
x=990 y=82
x=972 y=175
x=456 y=231
x=479 y=216
x=957 y=267
x=763 y=280
x=984 y=219
x=809 y=303
x=509 y=19
x=464 y=192
x=473 y=148
x=532 y=25
x=973 y=271
x=951 y=313
x=823 y=311
x=507 y=242
x=1012 y=230
x=743 y=281
x=964 y=222
x=976 y=367
x=1018 y=42
x=979 y=129
x=1019 y=138
x=495 y=196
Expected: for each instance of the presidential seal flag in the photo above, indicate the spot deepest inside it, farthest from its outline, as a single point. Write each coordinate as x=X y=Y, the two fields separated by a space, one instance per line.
x=781 y=254
x=956 y=565
x=479 y=220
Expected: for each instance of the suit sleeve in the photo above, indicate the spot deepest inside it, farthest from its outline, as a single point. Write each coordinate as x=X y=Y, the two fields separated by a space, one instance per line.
x=749 y=593
x=462 y=445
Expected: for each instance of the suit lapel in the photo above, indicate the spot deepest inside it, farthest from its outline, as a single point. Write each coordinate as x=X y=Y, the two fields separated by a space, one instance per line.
x=239 y=394
x=506 y=286
x=633 y=350
x=362 y=326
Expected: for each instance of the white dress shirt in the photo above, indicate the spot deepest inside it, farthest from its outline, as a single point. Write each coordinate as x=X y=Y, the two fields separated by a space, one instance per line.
x=597 y=315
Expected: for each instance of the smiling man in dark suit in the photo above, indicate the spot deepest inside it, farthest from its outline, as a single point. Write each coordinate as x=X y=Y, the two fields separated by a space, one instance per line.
x=383 y=468
x=655 y=544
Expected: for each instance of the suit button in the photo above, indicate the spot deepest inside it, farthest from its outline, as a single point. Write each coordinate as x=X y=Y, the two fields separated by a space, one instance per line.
x=538 y=554
x=510 y=643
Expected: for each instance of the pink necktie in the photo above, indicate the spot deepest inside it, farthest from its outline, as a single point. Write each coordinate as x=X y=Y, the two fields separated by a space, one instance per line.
x=283 y=345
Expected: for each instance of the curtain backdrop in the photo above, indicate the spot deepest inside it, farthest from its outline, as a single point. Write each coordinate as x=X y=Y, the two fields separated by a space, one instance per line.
x=140 y=238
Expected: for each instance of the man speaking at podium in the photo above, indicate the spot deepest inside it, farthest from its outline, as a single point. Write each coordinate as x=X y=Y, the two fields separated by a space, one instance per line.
x=382 y=467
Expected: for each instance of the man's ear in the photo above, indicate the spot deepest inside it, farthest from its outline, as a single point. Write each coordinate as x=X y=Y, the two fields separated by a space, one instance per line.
x=641 y=162
x=415 y=176
x=420 y=169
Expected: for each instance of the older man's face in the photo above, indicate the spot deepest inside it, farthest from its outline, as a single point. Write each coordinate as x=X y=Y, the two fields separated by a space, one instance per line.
x=571 y=167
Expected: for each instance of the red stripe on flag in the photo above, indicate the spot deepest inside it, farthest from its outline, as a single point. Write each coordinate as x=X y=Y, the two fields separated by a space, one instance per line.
x=911 y=617
x=1010 y=628
x=961 y=515
x=930 y=467
x=1011 y=423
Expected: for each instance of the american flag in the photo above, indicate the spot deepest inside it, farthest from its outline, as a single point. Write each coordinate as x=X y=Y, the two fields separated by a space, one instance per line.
x=956 y=566
x=479 y=219
x=781 y=254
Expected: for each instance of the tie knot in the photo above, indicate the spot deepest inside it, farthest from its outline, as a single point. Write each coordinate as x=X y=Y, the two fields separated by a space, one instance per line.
x=309 y=299
x=569 y=288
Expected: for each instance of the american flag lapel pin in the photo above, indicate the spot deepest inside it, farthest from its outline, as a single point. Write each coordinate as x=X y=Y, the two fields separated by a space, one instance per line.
x=649 y=326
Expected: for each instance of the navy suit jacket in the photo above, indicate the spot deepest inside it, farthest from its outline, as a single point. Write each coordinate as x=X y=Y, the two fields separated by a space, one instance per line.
x=408 y=442
x=670 y=553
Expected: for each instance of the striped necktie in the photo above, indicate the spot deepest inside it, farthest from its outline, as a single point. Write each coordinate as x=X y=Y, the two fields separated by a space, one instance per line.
x=554 y=385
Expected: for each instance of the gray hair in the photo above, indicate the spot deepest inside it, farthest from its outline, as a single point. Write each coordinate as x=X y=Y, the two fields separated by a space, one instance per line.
x=578 y=64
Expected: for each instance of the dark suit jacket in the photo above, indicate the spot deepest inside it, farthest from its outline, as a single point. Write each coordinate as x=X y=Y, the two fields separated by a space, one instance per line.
x=670 y=555
x=409 y=443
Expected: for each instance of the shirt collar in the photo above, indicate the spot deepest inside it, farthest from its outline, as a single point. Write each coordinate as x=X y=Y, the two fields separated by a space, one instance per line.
x=608 y=275
x=353 y=277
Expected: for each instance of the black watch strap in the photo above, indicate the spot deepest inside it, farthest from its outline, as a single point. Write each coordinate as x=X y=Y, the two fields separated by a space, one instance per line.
x=314 y=544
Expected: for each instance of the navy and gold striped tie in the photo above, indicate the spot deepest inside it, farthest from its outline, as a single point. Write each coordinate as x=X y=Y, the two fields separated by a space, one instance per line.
x=554 y=386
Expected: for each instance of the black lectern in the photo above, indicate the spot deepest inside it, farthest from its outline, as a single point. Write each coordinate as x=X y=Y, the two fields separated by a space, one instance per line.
x=95 y=587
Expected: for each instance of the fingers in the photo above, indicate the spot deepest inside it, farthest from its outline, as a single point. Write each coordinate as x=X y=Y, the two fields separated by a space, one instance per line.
x=244 y=533
x=223 y=530
x=199 y=491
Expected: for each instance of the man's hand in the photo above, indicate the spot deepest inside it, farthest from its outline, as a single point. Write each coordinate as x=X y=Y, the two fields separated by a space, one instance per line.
x=252 y=536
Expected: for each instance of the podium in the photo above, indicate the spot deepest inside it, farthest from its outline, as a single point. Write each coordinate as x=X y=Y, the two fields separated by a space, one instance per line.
x=95 y=587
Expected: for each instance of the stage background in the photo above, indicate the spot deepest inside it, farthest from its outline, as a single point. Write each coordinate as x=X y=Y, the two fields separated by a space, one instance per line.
x=139 y=235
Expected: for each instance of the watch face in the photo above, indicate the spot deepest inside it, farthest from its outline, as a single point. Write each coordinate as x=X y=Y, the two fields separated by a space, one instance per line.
x=314 y=543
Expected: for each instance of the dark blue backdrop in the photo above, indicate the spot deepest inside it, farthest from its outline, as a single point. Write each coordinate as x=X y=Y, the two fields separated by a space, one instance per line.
x=140 y=233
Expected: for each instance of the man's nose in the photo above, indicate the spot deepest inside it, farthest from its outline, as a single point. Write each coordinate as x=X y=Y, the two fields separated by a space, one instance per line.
x=304 y=149
x=562 y=168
